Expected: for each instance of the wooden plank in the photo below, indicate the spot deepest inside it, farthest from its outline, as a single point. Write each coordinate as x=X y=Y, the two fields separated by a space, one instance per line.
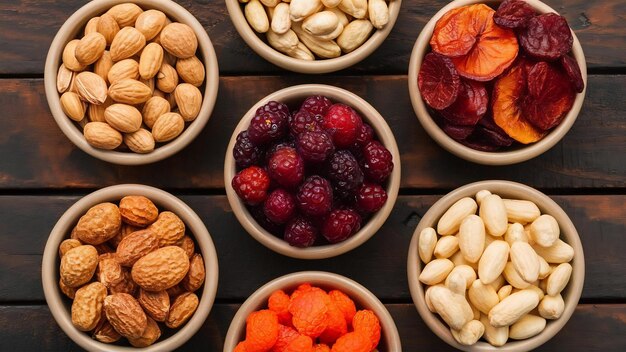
x=379 y=264
x=598 y=25
x=591 y=328
x=36 y=154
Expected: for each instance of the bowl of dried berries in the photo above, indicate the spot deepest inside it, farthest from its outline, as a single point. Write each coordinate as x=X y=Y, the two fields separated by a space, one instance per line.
x=497 y=82
x=312 y=171
x=312 y=311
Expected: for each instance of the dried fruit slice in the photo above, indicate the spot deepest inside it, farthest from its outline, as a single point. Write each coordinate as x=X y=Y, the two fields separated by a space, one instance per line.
x=508 y=94
x=490 y=132
x=470 y=106
x=457 y=132
x=438 y=81
x=514 y=14
x=456 y=33
x=547 y=37
x=573 y=72
x=550 y=96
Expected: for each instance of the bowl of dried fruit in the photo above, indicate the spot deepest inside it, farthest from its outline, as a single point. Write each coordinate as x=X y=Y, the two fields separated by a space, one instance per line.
x=314 y=36
x=131 y=82
x=497 y=82
x=495 y=265
x=130 y=266
x=312 y=171
x=312 y=311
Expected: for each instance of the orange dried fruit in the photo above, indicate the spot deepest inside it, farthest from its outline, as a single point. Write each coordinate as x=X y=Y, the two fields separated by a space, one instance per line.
x=279 y=303
x=286 y=334
x=508 y=95
x=344 y=303
x=261 y=331
x=457 y=32
x=302 y=343
x=336 y=325
x=438 y=81
x=322 y=348
x=301 y=289
x=352 y=342
x=365 y=322
x=241 y=347
x=308 y=310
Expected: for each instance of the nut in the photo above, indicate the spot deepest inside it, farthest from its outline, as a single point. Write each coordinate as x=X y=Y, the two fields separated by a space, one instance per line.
x=495 y=336
x=109 y=271
x=156 y=304
x=125 y=14
x=195 y=275
x=187 y=244
x=64 y=79
x=127 y=285
x=466 y=272
x=326 y=49
x=493 y=261
x=559 y=252
x=558 y=279
x=167 y=127
x=167 y=78
x=70 y=292
x=127 y=42
x=378 y=13
x=189 y=101
x=138 y=211
x=427 y=243
x=69 y=57
x=191 y=70
x=150 y=61
x=92 y=25
x=140 y=141
x=493 y=213
x=130 y=91
x=179 y=40
x=436 y=271
x=149 y=336
x=256 y=16
x=108 y=27
x=103 y=65
x=301 y=9
x=525 y=261
x=101 y=223
x=545 y=231
x=122 y=117
x=87 y=306
x=513 y=277
x=78 y=265
x=125 y=69
x=354 y=35
x=522 y=211
x=321 y=23
x=135 y=246
x=72 y=106
x=150 y=23
x=104 y=331
x=470 y=333
x=153 y=109
x=101 y=135
x=453 y=308
x=515 y=232
x=182 y=309
x=161 y=269
x=91 y=87
x=512 y=308
x=527 y=327
x=281 y=22
x=68 y=244
x=168 y=228
x=482 y=296
x=551 y=307
x=451 y=220
x=90 y=48
x=446 y=247
x=505 y=291
x=125 y=315
x=472 y=238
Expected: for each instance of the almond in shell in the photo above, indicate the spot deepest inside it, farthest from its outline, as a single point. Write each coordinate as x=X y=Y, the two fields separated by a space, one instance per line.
x=64 y=79
x=168 y=228
x=103 y=65
x=125 y=14
x=125 y=315
x=187 y=244
x=156 y=304
x=189 y=101
x=124 y=69
x=101 y=223
x=130 y=91
x=128 y=42
x=92 y=25
x=182 y=309
x=149 y=336
x=72 y=106
x=140 y=141
x=108 y=27
x=179 y=40
x=78 y=265
x=167 y=127
x=195 y=275
x=150 y=23
x=127 y=285
x=68 y=244
x=153 y=109
x=69 y=57
x=161 y=269
x=109 y=271
x=135 y=246
x=91 y=87
x=122 y=117
x=150 y=61
x=191 y=70
x=90 y=48
x=167 y=78
x=69 y=292
x=87 y=306
x=138 y=211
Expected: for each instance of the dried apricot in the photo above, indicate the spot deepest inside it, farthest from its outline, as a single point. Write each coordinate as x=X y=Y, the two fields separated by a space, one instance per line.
x=365 y=322
x=438 y=81
x=570 y=65
x=514 y=14
x=301 y=289
x=508 y=94
x=352 y=342
x=279 y=303
x=336 y=325
x=261 y=331
x=547 y=37
x=308 y=310
x=550 y=96
x=286 y=334
x=301 y=343
x=344 y=303
x=470 y=106
x=241 y=347
x=459 y=29
x=322 y=348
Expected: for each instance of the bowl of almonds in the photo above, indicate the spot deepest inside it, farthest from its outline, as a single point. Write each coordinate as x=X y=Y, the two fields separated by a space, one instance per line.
x=496 y=265
x=314 y=36
x=130 y=266
x=131 y=83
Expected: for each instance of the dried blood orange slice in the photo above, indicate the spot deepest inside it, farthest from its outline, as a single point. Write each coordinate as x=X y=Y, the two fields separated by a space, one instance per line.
x=438 y=81
x=508 y=95
x=459 y=29
x=547 y=37
x=514 y=14
x=470 y=106
x=550 y=96
x=573 y=72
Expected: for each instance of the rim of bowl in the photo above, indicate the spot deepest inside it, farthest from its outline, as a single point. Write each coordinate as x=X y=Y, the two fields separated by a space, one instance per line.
x=510 y=157
x=361 y=296
x=164 y=200
x=319 y=65
x=69 y=31
x=517 y=191
x=385 y=136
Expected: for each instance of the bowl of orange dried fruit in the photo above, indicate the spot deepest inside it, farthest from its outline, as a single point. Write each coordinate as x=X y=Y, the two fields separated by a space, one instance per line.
x=312 y=311
x=497 y=82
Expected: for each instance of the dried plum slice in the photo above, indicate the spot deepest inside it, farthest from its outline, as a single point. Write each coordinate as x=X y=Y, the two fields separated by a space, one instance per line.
x=547 y=37
x=479 y=144
x=514 y=14
x=438 y=81
x=490 y=131
x=457 y=132
x=573 y=72
x=470 y=106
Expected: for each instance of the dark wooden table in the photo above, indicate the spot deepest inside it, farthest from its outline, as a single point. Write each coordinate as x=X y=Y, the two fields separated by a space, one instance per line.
x=42 y=173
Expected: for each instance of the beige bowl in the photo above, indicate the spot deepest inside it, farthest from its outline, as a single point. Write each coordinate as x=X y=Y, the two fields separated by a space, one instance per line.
x=362 y=297
x=513 y=190
x=260 y=46
x=508 y=157
x=60 y=306
x=75 y=24
x=293 y=96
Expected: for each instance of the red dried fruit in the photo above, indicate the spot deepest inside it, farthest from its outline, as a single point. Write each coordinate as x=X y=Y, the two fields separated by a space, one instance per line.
x=367 y=323
x=456 y=33
x=286 y=335
x=570 y=65
x=309 y=312
x=377 y=161
x=371 y=198
x=438 y=81
x=550 y=96
x=251 y=185
x=280 y=206
x=286 y=167
x=365 y=135
x=344 y=303
x=267 y=127
x=315 y=197
x=317 y=105
x=508 y=94
x=315 y=146
x=300 y=232
x=261 y=330
x=344 y=173
x=514 y=14
x=340 y=225
x=245 y=152
x=490 y=132
x=547 y=37
x=470 y=106
x=457 y=132
x=352 y=342
x=343 y=124
x=279 y=303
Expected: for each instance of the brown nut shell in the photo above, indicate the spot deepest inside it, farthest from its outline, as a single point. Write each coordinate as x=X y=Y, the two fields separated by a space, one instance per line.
x=182 y=309
x=87 y=306
x=155 y=304
x=138 y=211
x=135 y=246
x=161 y=269
x=149 y=336
x=168 y=228
x=78 y=265
x=101 y=223
x=125 y=314
x=196 y=274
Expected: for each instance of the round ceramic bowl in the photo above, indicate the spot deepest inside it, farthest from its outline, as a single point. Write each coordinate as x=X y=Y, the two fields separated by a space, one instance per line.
x=259 y=44
x=507 y=157
x=512 y=190
x=60 y=305
x=69 y=31
x=293 y=97
x=362 y=297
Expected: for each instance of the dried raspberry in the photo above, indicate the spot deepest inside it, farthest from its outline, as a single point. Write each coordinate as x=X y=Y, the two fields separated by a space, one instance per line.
x=285 y=336
x=547 y=37
x=245 y=153
x=280 y=206
x=317 y=105
x=289 y=143
x=322 y=348
x=315 y=146
x=286 y=167
x=274 y=107
x=352 y=342
x=336 y=325
x=309 y=312
x=341 y=224
x=344 y=303
x=371 y=197
x=300 y=232
x=378 y=162
x=251 y=185
x=303 y=121
x=344 y=173
x=514 y=14
x=438 y=81
x=241 y=347
x=573 y=72
x=365 y=135
x=315 y=196
x=279 y=303
x=343 y=124
x=470 y=106
x=261 y=330
x=366 y=322
x=258 y=213
x=549 y=98
x=301 y=343
x=267 y=127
